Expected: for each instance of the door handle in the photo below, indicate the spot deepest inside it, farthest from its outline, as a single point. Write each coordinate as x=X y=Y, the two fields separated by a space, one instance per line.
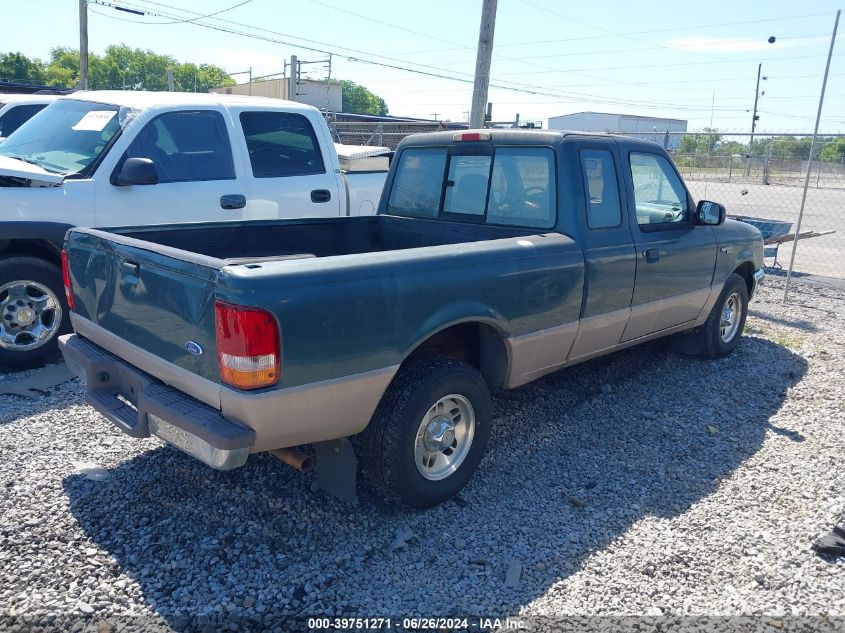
x=233 y=201
x=129 y=272
x=321 y=195
x=652 y=255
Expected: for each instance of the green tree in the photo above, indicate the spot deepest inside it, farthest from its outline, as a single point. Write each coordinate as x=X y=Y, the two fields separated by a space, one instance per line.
x=357 y=99
x=730 y=148
x=125 y=68
x=833 y=150
x=19 y=67
x=704 y=142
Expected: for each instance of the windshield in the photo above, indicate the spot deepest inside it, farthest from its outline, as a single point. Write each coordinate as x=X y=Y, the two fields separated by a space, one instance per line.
x=65 y=137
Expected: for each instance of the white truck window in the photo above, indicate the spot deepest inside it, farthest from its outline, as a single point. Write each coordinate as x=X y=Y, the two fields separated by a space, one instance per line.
x=57 y=144
x=15 y=117
x=281 y=144
x=185 y=146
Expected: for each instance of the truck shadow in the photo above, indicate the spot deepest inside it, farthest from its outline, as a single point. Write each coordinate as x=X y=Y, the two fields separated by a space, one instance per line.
x=575 y=459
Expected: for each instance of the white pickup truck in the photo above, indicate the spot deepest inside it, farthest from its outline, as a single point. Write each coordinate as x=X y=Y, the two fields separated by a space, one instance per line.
x=15 y=110
x=121 y=158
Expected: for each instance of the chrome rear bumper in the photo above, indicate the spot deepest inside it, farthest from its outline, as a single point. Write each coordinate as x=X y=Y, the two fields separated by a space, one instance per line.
x=758 y=279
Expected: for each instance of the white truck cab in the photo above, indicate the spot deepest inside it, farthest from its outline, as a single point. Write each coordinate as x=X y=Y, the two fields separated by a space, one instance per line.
x=120 y=158
x=17 y=109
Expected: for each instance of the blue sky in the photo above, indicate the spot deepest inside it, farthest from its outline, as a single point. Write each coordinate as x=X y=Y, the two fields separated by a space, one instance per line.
x=689 y=60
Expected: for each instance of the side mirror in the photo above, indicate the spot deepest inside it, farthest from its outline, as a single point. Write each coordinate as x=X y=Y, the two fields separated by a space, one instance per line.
x=136 y=171
x=711 y=213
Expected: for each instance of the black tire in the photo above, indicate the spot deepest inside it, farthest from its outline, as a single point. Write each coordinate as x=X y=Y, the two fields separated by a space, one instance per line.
x=388 y=459
x=19 y=268
x=713 y=346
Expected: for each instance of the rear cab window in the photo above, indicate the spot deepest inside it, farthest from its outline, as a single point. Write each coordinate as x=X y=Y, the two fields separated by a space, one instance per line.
x=509 y=186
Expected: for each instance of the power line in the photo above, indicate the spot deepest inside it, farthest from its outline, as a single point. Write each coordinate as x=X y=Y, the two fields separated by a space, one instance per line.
x=695 y=27
x=514 y=86
x=208 y=15
x=679 y=64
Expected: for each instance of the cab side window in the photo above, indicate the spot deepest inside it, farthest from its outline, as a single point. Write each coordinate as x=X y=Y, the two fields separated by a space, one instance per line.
x=186 y=146
x=601 y=189
x=659 y=195
x=281 y=144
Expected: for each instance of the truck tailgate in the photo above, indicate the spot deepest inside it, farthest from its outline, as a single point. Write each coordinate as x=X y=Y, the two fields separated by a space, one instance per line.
x=147 y=295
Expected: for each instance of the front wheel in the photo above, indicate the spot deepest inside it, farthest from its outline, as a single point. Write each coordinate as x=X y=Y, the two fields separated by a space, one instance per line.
x=726 y=322
x=33 y=312
x=428 y=433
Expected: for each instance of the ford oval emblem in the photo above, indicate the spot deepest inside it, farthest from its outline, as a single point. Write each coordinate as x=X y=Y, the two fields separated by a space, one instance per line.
x=193 y=348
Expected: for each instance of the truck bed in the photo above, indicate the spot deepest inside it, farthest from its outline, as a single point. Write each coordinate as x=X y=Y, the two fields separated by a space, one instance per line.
x=350 y=294
x=228 y=243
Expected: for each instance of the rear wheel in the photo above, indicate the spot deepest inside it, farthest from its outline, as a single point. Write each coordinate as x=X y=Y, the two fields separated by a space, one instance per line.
x=726 y=322
x=33 y=312
x=429 y=432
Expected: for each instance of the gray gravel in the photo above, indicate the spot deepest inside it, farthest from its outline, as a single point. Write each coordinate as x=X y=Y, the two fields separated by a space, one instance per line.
x=643 y=483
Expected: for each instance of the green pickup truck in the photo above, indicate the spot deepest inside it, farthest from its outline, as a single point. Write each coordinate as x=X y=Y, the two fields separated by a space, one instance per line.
x=496 y=257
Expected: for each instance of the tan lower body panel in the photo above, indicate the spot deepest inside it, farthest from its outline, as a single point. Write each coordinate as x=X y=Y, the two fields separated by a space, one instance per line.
x=310 y=413
x=286 y=417
x=539 y=353
x=202 y=389
x=657 y=316
x=599 y=333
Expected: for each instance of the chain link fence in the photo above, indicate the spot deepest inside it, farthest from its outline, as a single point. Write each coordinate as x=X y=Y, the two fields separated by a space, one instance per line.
x=759 y=180
x=387 y=134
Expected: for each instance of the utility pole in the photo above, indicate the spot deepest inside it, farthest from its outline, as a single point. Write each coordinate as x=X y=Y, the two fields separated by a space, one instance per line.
x=170 y=86
x=293 y=81
x=83 y=44
x=754 y=118
x=482 y=63
x=435 y=115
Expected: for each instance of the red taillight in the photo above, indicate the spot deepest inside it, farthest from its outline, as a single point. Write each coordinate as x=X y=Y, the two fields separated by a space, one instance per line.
x=66 y=280
x=471 y=136
x=248 y=347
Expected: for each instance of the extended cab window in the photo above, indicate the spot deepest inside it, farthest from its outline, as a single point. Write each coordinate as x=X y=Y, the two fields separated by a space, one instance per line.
x=281 y=144
x=512 y=186
x=601 y=189
x=659 y=195
x=186 y=146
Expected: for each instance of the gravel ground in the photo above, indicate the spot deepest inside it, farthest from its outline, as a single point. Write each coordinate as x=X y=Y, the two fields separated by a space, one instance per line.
x=643 y=483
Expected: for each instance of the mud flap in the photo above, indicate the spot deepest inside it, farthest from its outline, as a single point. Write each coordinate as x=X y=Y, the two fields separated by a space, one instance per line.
x=336 y=469
x=689 y=343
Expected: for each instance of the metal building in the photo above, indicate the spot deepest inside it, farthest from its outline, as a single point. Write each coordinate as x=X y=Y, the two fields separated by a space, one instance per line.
x=645 y=127
x=324 y=95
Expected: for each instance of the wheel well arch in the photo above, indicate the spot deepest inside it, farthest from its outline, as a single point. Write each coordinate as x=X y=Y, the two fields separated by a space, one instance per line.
x=746 y=271
x=42 y=249
x=477 y=343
